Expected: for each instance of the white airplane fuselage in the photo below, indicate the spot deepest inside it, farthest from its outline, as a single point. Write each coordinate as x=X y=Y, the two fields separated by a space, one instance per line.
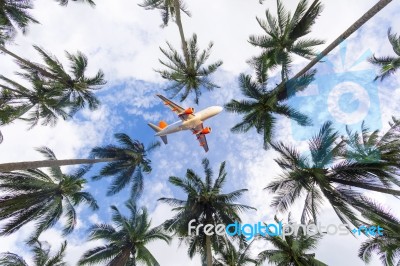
x=197 y=119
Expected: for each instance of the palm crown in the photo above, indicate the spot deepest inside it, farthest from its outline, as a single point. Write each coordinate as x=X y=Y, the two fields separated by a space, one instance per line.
x=388 y=64
x=387 y=246
x=285 y=35
x=372 y=148
x=42 y=197
x=54 y=93
x=41 y=257
x=15 y=14
x=167 y=8
x=206 y=204
x=189 y=76
x=39 y=102
x=291 y=250
x=126 y=241
x=327 y=165
x=76 y=87
x=129 y=166
x=229 y=255
x=263 y=105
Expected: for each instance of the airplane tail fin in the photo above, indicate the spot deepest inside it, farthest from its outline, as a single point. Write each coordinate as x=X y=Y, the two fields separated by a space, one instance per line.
x=158 y=129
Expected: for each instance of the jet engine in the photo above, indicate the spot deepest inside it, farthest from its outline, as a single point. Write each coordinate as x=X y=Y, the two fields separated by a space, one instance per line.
x=188 y=111
x=205 y=131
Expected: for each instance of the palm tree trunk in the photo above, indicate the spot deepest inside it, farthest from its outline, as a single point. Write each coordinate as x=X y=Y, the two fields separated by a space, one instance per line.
x=208 y=250
x=365 y=186
x=28 y=63
x=133 y=256
x=7 y=167
x=361 y=21
x=181 y=33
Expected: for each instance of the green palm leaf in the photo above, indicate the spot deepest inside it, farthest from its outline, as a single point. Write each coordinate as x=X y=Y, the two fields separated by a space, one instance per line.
x=388 y=65
x=205 y=203
x=41 y=256
x=166 y=7
x=16 y=14
x=291 y=249
x=188 y=75
x=286 y=35
x=126 y=240
x=262 y=105
x=128 y=167
x=41 y=198
x=337 y=170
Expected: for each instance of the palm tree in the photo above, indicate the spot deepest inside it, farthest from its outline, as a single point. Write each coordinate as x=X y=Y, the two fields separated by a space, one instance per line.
x=291 y=250
x=263 y=105
x=125 y=241
x=326 y=173
x=15 y=14
x=126 y=163
x=371 y=148
x=388 y=64
x=128 y=167
x=206 y=204
x=185 y=73
x=42 y=197
x=229 y=255
x=169 y=8
x=189 y=76
x=387 y=246
x=286 y=35
x=76 y=87
x=40 y=102
x=41 y=256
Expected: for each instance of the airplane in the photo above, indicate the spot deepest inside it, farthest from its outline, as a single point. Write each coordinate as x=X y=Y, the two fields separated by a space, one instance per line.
x=189 y=121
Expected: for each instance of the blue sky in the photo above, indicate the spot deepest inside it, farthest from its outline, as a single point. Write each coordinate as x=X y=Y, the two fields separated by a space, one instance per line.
x=123 y=40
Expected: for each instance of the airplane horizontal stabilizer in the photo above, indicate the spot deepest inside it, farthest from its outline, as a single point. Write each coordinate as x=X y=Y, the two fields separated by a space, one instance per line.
x=158 y=129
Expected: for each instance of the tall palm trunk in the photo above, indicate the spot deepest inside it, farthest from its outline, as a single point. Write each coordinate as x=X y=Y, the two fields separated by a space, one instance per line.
x=28 y=63
x=208 y=250
x=7 y=167
x=361 y=21
x=123 y=260
x=133 y=256
x=208 y=239
x=364 y=186
x=181 y=33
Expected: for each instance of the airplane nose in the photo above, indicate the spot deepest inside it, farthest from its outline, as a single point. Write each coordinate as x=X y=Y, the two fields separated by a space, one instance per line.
x=219 y=109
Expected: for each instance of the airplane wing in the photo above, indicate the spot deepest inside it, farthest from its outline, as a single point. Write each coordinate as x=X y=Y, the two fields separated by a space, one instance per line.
x=201 y=138
x=175 y=108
